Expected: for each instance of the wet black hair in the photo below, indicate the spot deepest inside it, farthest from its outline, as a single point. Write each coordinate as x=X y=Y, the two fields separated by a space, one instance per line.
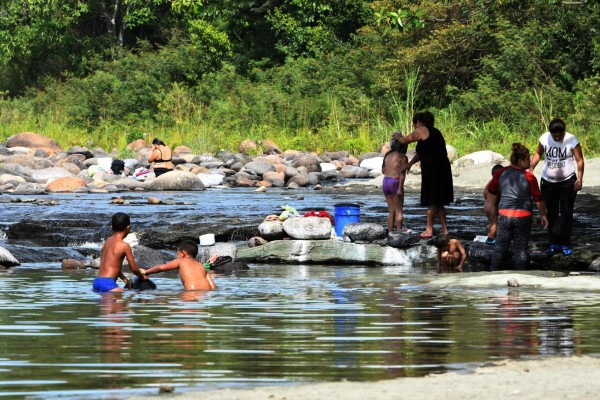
x=496 y=168
x=158 y=141
x=120 y=222
x=189 y=247
x=425 y=117
x=557 y=125
x=440 y=240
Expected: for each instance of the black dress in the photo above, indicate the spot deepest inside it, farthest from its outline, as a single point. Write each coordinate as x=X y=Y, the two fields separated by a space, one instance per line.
x=436 y=174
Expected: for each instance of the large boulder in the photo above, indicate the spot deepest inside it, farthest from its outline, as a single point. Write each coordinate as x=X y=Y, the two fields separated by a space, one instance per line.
x=219 y=248
x=211 y=180
x=311 y=163
x=373 y=163
x=271 y=230
x=65 y=184
x=480 y=157
x=7 y=259
x=34 y=141
x=47 y=174
x=259 y=167
x=176 y=180
x=400 y=239
x=146 y=257
x=247 y=146
x=7 y=178
x=363 y=232
x=334 y=252
x=308 y=228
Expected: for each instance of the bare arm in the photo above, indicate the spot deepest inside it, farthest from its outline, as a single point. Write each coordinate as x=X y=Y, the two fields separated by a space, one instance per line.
x=162 y=267
x=542 y=207
x=536 y=157
x=463 y=256
x=210 y=280
x=154 y=155
x=419 y=133
x=406 y=167
x=580 y=166
x=132 y=264
x=124 y=279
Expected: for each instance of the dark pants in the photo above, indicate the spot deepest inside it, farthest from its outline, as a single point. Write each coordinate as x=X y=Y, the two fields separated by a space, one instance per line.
x=560 y=200
x=517 y=231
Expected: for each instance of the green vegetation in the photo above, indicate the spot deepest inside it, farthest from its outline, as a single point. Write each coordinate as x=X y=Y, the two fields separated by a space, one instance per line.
x=308 y=75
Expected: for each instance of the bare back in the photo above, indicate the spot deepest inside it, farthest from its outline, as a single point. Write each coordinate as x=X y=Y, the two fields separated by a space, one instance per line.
x=194 y=276
x=113 y=253
x=392 y=165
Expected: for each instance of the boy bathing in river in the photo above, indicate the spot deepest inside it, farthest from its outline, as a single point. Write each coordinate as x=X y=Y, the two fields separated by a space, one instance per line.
x=192 y=273
x=114 y=251
x=451 y=254
x=393 y=183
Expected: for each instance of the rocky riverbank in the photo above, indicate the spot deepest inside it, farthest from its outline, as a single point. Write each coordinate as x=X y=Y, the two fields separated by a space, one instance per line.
x=31 y=165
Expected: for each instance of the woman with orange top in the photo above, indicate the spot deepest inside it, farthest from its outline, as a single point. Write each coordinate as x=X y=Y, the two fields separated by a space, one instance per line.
x=518 y=190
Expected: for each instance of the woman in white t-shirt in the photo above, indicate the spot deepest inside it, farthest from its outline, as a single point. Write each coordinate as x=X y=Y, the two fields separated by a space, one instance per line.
x=562 y=178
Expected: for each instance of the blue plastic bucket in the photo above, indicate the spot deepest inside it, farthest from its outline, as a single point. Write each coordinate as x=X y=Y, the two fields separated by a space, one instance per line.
x=345 y=213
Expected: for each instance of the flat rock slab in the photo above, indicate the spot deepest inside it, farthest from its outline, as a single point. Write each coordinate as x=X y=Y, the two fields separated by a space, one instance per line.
x=500 y=279
x=334 y=251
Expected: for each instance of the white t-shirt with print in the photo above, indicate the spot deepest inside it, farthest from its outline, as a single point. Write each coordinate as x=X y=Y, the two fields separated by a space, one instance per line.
x=559 y=163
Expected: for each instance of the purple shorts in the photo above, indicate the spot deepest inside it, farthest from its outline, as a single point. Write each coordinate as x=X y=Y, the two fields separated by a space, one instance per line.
x=390 y=185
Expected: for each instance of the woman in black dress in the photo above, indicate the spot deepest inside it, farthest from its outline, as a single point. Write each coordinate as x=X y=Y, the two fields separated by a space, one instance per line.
x=436 y=175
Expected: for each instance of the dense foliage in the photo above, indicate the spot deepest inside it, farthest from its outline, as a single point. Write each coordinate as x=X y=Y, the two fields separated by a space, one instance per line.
x=311 y=75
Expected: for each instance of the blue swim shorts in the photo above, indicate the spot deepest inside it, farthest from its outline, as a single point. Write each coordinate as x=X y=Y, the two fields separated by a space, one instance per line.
x=104 y=284
x=390 y=185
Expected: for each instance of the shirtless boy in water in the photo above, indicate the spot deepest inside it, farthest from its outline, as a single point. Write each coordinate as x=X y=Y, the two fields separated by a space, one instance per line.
x=192 y=273
x=114 y=251
x=393 y=183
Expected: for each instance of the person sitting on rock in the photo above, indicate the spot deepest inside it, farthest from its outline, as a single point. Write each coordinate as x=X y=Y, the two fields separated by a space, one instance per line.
x=451 y=254
x=393 y=182
x=192 y=273
x=161 y=156
x=490 y=208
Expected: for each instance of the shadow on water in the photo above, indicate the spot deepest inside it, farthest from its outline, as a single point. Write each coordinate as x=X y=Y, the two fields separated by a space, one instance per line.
x=271 y=325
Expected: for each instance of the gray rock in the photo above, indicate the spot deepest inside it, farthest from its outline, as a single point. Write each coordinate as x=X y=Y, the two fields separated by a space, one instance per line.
x=46 y=174
x=363 y=232
x=256 y=241
x=219 y=248
x=311 y=163
x=271 y=230
x=175 y=180
x=308 y=228
x=7 y=259
x=595 y=265
x=399 y=239
x=335 y=252
x=145 y=257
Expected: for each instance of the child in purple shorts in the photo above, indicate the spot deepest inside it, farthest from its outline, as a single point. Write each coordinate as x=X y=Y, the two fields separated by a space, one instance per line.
x=393 y=183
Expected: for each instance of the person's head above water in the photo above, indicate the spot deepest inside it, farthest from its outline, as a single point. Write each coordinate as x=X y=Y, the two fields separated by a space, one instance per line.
x=120 y=222
x=189 y=247
x=496 y=168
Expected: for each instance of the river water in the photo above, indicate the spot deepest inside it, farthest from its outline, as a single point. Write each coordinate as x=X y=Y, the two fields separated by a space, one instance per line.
x=271 y=325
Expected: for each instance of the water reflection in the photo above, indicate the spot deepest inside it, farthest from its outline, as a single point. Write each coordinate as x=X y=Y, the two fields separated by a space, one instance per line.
x=273 y=324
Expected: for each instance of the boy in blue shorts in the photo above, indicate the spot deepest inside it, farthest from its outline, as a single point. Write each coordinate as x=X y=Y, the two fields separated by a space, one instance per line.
x=113 y=253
